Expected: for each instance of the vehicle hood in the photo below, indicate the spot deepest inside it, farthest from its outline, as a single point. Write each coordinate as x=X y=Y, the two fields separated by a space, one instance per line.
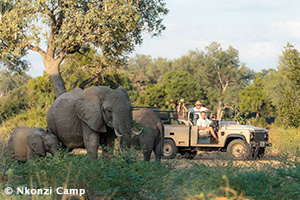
x=244 y=127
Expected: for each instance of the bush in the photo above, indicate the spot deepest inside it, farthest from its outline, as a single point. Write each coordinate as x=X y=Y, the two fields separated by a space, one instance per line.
x=285 y=140
x=123 y=176
x=258 y=121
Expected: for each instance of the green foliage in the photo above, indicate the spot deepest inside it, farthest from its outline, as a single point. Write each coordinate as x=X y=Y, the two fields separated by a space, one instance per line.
x=13 y=103
x=258 y=122
x=254 y=100
x=223 y=75
x=175 y=85
x=285 y=140
x=154 y=96
x=289 y=108
x=123 y=176
x=292 y=57
x=10 y=80
x=143 y=70
x=114 y=26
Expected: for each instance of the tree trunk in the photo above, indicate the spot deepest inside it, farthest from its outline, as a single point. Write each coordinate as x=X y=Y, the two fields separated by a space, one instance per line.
x=219 y=110
x=257 y=115
x=52 y=69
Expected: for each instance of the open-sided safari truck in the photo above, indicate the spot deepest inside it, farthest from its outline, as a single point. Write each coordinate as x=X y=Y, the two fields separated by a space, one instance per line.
x=239 y=141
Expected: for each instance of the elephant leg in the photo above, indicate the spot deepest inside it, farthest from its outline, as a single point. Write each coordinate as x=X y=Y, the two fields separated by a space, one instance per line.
x=147 y=155
x=107 y=140
x=91 y=141
x=30 y=153
x=158 y=152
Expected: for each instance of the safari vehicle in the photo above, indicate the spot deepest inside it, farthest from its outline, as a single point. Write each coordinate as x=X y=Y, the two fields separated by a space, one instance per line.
x=239 y=141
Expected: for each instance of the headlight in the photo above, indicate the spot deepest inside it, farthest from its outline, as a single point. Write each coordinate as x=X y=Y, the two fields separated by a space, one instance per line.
x=252 y=134
x=266 y=135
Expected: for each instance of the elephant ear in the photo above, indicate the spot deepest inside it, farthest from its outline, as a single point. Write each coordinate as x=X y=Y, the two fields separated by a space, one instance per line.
x=122 y=89
x=35 y=142
x=88 y=109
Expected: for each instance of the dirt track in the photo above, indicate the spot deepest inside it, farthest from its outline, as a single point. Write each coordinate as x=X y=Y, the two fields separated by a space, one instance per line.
x=215 y=159
x=212 y=159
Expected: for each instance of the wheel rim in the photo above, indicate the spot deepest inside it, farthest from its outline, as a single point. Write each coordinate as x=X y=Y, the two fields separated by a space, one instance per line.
x=238 y=150
x=167 y=149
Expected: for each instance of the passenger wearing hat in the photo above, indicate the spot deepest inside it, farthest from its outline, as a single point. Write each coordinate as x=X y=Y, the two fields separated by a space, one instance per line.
x=199 y=107
x=181 y=109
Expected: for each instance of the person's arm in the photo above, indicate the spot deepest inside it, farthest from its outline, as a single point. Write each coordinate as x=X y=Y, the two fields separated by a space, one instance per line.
x=178 y=108
x=199 y=124
x=185 y=108
x=202 y=128
x=208 y=122
x=204 y=109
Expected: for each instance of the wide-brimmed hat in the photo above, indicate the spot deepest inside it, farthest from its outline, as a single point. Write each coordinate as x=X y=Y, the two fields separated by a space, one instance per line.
x=198 y=103
x=181 y=100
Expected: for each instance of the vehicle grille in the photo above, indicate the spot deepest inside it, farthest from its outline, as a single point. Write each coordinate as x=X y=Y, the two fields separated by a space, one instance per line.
x=259 y=136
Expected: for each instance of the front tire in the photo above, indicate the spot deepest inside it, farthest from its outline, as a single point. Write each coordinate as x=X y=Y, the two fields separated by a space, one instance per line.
x=169 y=150
x=261 y=152
x=238 y=150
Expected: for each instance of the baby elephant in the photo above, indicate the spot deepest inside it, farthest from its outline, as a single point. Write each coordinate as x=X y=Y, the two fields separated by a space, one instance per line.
x=152 y=137
x=24 y=142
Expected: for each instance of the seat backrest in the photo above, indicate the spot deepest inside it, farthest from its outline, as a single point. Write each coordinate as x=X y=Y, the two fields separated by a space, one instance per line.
x=164 y=117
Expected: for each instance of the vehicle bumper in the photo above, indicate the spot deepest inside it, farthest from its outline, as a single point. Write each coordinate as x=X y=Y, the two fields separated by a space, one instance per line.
x=260 y=144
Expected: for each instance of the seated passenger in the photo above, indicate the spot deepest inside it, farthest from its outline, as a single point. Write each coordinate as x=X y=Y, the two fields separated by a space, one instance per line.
x=214 y=124
x=203 y=124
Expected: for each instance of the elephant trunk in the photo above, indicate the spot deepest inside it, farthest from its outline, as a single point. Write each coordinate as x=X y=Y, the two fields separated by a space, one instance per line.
x=122 y=126
x=53 y=151
x=125 y=141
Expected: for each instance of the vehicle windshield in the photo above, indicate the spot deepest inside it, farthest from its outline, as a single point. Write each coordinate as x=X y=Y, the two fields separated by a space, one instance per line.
x=227 y=123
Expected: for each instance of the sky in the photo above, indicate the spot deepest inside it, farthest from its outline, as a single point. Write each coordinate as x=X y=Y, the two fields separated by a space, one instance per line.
x=258 y=29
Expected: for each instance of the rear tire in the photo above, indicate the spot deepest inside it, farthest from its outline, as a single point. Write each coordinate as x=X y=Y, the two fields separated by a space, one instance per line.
x=238 y=150
x=169 y=150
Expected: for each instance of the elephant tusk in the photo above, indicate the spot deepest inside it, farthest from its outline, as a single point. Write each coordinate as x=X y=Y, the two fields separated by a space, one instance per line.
x=137 y=133
x=117 y=133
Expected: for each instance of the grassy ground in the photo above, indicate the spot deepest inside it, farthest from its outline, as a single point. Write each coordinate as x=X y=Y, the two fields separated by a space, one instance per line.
x=124 y=176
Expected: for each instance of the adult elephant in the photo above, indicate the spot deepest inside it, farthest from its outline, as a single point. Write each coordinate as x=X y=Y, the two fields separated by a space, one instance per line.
x=152 y=136
x=83 y=118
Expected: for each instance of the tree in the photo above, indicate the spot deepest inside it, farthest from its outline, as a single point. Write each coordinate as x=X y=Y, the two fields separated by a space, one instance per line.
x=175 y=85
x=223 y=75
x=10 y=81
x=289 y=109
x=254 y=100
x=190 y=62
x=67 y=26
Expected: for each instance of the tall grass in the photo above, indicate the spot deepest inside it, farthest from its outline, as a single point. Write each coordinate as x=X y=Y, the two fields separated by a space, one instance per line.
x=123 y=176
x=285 y=140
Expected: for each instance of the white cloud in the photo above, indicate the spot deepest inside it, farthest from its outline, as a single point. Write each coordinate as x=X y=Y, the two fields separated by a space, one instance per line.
x=260 y=51
x=242 y=5
x=290 y=28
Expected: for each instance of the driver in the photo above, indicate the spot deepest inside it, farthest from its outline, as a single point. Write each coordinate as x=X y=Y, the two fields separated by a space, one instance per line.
x=203 y=124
